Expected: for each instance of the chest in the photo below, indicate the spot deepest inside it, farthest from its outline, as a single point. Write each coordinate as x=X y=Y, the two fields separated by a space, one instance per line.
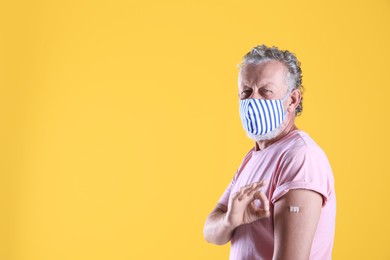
x=260 y=166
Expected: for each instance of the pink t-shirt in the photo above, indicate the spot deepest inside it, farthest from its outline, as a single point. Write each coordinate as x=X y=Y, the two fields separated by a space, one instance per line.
x=294 y=162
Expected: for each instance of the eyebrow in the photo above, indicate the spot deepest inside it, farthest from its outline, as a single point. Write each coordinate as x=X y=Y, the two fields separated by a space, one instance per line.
x=267 y=84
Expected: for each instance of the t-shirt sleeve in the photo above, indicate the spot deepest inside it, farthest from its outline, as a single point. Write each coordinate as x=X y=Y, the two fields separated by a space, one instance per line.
x=306 y=168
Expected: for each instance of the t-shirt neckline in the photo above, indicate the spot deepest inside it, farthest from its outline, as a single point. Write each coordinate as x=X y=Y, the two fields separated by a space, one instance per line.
x=278 y=141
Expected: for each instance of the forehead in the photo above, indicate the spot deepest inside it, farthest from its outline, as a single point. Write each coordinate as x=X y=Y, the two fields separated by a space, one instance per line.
x=266 y=72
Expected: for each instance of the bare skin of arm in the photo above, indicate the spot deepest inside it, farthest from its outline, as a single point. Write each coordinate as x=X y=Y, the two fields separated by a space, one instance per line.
x=216 y=230
x=294 y=231
x=222 y=221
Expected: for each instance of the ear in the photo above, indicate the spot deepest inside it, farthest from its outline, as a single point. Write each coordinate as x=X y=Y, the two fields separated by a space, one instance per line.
x=293 y=100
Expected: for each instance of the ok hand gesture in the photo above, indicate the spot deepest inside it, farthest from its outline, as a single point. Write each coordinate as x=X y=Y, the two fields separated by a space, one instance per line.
x=242 y=208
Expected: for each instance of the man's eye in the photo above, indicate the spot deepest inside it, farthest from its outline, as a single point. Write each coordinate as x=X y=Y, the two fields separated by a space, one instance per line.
x=246 y=92
x=266 y=91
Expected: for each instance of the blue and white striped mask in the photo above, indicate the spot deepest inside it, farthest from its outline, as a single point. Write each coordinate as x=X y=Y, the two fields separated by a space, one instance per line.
x=261 y=116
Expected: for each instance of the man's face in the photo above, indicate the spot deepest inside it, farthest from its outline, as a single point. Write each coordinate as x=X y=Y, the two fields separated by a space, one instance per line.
x=263 y=81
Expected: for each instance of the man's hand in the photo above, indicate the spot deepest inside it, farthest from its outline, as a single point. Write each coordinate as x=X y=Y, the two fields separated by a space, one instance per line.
x=222 y=221
x=242 y=207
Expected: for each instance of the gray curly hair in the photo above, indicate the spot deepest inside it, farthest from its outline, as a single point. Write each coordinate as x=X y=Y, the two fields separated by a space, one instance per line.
x=263 y=53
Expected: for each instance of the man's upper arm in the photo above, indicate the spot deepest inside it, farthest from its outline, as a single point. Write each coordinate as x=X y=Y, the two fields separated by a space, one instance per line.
x=296 y=216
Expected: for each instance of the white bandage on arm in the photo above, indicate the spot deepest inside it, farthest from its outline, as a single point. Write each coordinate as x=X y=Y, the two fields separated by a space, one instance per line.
x=294 y=209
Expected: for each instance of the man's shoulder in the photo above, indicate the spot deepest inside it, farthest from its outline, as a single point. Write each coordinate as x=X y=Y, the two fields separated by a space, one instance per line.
x=299 y=142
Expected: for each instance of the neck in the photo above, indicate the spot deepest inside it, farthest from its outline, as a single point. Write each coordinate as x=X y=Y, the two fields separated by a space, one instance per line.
x=261 y=145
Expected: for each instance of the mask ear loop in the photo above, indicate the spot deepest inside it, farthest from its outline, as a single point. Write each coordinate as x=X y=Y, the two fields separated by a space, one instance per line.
x=285 y=113
x=287 y=95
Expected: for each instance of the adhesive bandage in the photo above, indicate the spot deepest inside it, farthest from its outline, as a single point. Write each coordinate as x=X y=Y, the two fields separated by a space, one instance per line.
x=294 y=209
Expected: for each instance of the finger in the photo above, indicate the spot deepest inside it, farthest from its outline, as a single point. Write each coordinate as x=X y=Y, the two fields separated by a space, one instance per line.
x=247 y=196
x=263 y=199
x=253 y=186
x=243 y=190
x=252 y=193
x=248 y=189
x=235 y=195
x=261 y=213
x=260 y=183
x=240 y=194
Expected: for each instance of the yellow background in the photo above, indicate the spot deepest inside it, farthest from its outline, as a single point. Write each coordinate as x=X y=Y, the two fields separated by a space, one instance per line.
x=120 y=129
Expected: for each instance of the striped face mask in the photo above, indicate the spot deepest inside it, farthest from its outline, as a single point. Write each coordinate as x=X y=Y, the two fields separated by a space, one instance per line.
x=261 y=116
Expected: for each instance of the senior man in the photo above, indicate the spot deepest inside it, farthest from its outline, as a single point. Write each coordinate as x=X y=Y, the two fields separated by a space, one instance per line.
x=281 y=203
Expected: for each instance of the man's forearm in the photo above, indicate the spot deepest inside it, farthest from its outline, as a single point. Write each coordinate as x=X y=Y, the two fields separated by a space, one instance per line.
x=216 y=230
